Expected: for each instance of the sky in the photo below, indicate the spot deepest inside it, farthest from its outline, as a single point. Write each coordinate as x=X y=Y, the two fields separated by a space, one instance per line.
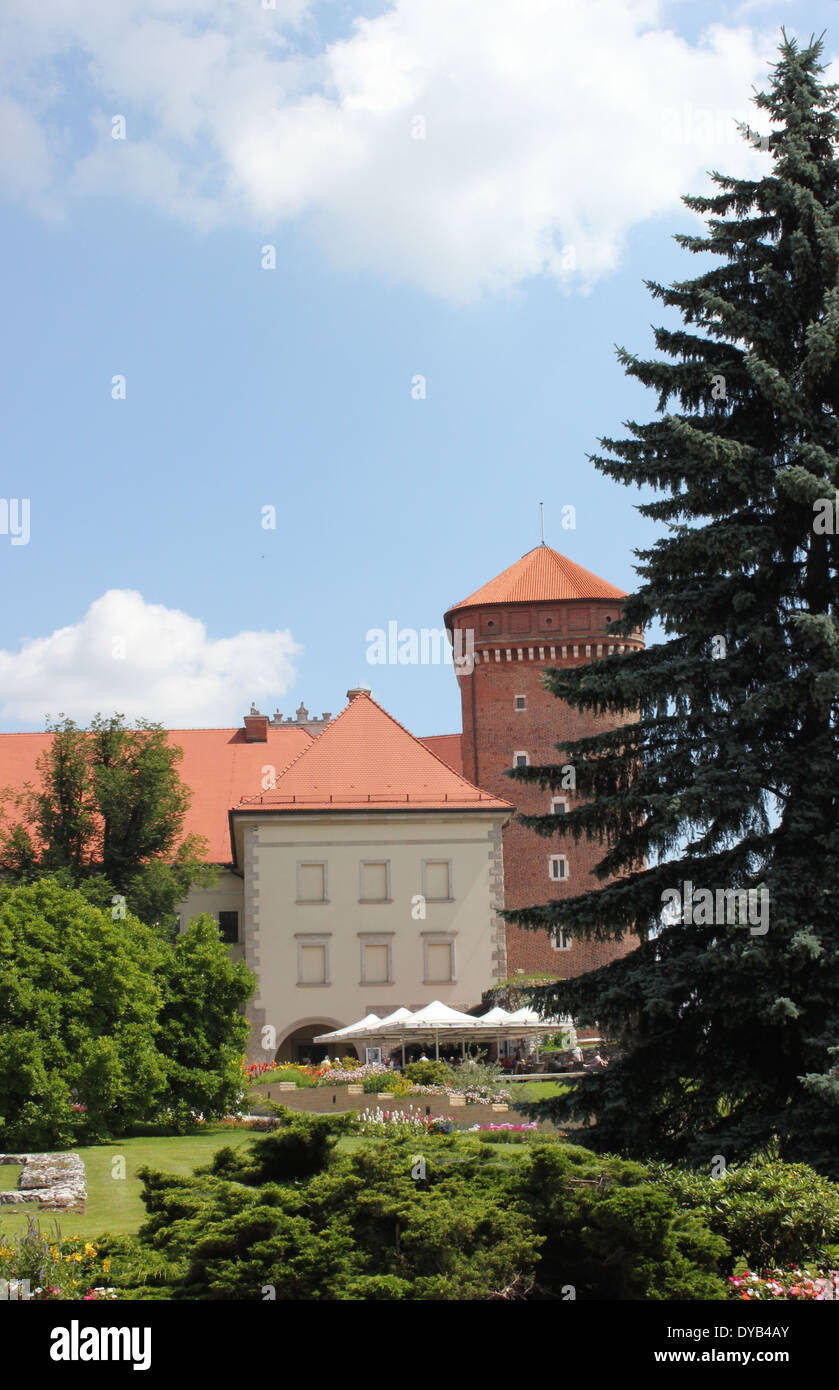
x=308 y=306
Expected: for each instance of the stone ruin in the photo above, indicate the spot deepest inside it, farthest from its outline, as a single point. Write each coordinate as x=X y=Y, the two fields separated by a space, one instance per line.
x=54 y=1181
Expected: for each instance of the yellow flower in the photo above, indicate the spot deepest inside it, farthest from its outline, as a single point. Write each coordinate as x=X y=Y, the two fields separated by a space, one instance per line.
x=78 y=1257
x=55 y=1252
x=106 y=1265
x=89 y=1249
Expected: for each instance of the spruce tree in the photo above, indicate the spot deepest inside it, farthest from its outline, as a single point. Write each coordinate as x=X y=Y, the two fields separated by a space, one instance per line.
x=729 y=779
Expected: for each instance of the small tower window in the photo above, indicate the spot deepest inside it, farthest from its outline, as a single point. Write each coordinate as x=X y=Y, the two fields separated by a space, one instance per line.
x=558 y=866
x=521 y=702
x=560 y=939
x=520 y=760
x=558 y=805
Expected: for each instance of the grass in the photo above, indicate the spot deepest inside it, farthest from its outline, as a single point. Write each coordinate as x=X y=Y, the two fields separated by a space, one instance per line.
x=9 y=1174
x=113 y=1204
x=536 y=1090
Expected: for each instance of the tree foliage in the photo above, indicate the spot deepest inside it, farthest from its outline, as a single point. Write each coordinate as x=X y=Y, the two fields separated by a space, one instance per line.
x=104 y=1024
x=723 y=769
x=110 y=805
x=422 y=1219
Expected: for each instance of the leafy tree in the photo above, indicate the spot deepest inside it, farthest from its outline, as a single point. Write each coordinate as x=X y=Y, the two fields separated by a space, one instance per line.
x=203 y=1032
x=727 y=779
x=110 y=805
x=78 y=1018
x=104 y=1024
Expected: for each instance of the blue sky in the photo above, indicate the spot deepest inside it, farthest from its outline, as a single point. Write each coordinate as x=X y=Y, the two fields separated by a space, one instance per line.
x=501 y=257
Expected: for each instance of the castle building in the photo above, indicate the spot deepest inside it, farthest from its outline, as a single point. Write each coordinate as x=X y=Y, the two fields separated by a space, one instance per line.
x=362 y=868
x=544 y=611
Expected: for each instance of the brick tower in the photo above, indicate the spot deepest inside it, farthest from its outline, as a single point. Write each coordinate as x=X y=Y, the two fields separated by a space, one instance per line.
x=543 y=611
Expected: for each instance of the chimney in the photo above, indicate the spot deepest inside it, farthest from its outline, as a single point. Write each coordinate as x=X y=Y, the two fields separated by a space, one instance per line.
x=256 y=726
x=358 y=690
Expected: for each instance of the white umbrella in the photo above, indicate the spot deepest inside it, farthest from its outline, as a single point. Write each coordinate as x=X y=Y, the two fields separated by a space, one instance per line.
x=437 y=1018
x=363 y=1025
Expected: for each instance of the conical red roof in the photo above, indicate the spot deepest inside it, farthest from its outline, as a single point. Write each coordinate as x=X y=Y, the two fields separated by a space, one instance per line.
x=366 y=758
x=541 y=576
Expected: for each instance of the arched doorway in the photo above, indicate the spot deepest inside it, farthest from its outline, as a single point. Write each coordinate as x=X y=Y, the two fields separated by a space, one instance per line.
x=297 y=1045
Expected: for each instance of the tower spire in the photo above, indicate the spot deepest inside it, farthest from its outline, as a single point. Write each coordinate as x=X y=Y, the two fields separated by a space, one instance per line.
x=542 y=519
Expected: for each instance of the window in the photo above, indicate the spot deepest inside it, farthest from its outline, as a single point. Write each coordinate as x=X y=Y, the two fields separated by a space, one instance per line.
x=521 y=702
x=520 y=760
x=228 y=925
x=437 y=880
x=558 y=805
x=558 y=866
x=438 y=959
x=312 y=959
x=560 y=939
x=374 y=881
x=376 y=963
x=311 y=882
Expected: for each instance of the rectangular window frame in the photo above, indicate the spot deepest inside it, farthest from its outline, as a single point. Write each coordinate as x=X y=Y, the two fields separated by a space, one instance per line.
x=363 y=864
x=307 y=864
x=228 y=912
x=314 y=939
x=560 y=939
x=366 y=939
x=521 y=753
x=558 y=859
x=437 y=938
x=450 y=865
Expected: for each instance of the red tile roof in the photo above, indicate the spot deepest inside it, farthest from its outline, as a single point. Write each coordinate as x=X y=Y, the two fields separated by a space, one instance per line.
x=448 y=747
x=541 y=576
x=218 y=764
x=366 y=758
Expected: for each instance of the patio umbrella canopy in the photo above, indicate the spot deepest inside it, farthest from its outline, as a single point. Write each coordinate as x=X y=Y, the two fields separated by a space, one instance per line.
x=438 y=1020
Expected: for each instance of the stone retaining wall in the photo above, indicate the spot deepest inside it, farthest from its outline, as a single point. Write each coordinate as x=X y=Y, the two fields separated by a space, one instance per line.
x=55 y=1181
x=331 y=1100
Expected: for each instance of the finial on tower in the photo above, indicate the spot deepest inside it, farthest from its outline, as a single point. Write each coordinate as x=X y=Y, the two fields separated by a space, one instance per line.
x=542 y=519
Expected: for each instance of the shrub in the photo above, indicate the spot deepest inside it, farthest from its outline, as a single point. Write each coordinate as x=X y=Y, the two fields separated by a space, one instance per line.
x=476 y=1076
x=771 y=1213
x=428 y=1073
x=386 y=1081
x=613 y=1233
x=296 y=1074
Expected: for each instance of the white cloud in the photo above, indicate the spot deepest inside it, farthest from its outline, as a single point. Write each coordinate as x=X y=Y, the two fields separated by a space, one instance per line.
x=141 y=659
x=550 y=124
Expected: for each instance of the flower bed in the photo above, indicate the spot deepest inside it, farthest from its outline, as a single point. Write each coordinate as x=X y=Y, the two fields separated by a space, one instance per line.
x=786 y=1284
x=66 y=1268
x=401 y=1122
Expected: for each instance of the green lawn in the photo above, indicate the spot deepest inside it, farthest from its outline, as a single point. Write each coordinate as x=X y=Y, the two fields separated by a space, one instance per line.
x=9 y=1174
x=535 y=1090
x=114 y=1204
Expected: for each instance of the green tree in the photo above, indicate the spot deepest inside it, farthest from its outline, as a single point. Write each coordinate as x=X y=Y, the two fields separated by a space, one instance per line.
x=110 y=805
x=105 y=1024
x=203 y=1032
x=728 y=779
x=79 y=1005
